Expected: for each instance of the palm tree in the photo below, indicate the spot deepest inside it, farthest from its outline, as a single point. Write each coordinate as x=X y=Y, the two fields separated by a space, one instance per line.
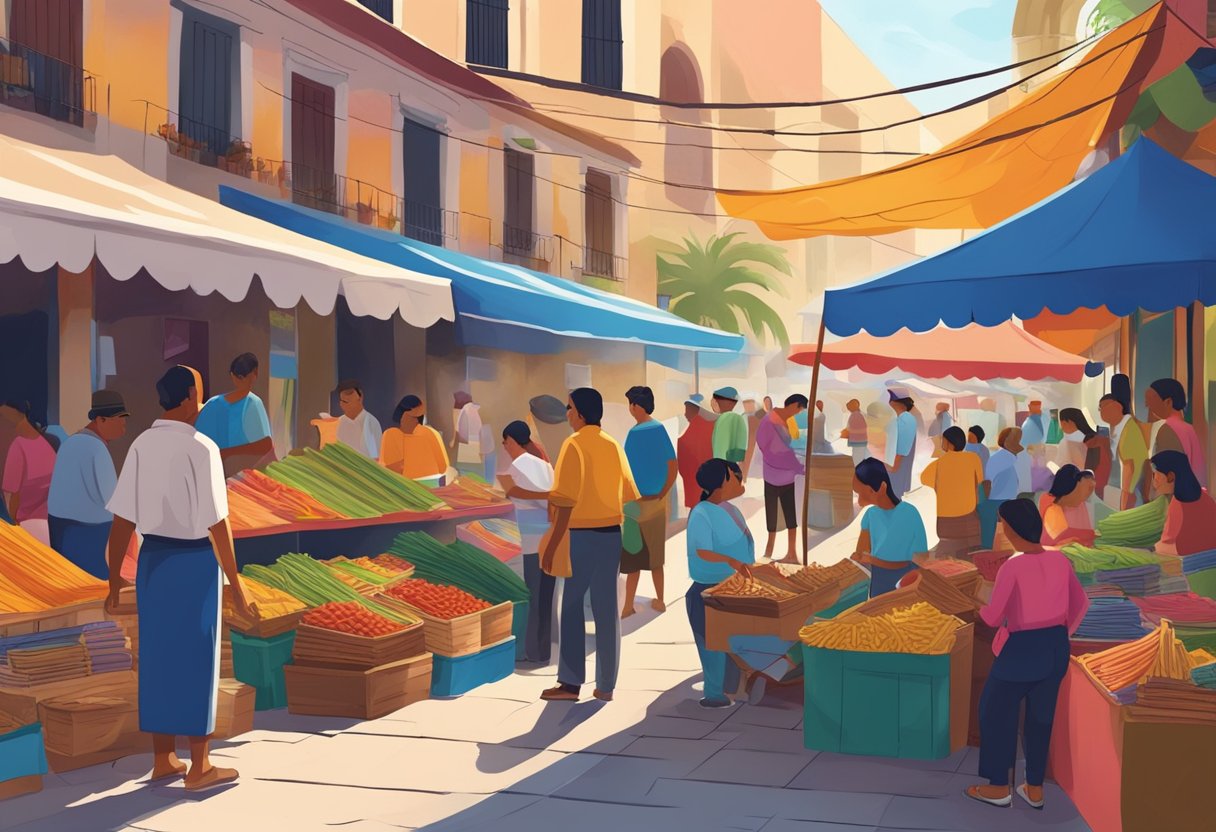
x=705 y=283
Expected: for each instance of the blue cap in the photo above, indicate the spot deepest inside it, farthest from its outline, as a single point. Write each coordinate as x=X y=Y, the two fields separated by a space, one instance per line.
x=695 y=398
x=727 y=393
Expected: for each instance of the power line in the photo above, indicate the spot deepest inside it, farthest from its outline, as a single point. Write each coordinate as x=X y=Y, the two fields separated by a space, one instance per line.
x=641 y=98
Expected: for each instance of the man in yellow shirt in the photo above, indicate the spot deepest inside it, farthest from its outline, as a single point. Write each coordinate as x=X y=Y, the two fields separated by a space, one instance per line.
x=591 y=485
x=955 y=477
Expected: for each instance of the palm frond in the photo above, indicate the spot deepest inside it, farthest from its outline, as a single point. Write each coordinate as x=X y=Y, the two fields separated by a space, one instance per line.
x=759 y=316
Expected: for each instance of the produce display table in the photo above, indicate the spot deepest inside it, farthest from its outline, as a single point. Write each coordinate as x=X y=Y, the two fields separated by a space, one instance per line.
x=1124 y=775
x=354 y=538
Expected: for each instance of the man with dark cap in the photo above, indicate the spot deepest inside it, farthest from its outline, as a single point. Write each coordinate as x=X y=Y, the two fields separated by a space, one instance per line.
x=901 y=441
x=83 y=482
x=730 y=429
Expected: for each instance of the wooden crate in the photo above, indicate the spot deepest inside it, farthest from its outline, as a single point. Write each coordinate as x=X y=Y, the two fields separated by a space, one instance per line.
x=721 y=624
x=74 y=726
x=799 y=604
x=320 y=647
x=458 y=636
x=496 y=623
x=233 y=709
x=265 y=627
x=358 y=694
x=22 y=703
x=24 y=623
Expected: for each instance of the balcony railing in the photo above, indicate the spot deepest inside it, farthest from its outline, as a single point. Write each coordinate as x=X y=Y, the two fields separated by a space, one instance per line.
x=526 y=244
x=604 y=264
x=30 y=80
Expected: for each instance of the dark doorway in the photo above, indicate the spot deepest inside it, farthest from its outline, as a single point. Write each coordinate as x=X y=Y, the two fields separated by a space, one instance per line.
x=49 y=36
x=189 y=343
x=25 y=368
x=366 y=353
x=519 y=193
x=422 y=217
x=312 y=144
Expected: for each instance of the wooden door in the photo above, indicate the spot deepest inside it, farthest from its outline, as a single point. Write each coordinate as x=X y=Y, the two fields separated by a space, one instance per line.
x=312 y=144
x=519 y=196
x=49 y=34
x=423 y=214
x=600 y=232
x=207 y=79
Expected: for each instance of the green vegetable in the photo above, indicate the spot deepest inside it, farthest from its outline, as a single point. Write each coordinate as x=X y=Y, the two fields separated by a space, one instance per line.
x=1089 y=559
x=461 y=565
x=350 y=483
x=304 y=578
x=1138 y=527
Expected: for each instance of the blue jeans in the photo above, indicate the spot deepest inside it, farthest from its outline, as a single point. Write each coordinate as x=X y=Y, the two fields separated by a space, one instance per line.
x=718 y=669
x=539 y=634
x=595 y=562
x=988 y=511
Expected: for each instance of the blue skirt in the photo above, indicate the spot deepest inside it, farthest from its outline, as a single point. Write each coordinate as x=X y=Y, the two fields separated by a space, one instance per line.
x=178 y=593
x=84 y=544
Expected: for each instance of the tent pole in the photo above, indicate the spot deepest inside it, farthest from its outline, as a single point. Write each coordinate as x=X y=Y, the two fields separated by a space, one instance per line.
x=806 y=490
x=696 y=372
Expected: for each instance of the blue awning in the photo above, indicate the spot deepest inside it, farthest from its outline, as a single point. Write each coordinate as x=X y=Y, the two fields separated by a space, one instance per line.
x=1135 y=234
x=497 y=304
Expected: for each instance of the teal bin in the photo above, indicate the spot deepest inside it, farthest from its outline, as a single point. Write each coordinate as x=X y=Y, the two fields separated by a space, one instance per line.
x=22 y=753
x=881 y=704
x=456 y=676
x=259 y=662
x=519 y=628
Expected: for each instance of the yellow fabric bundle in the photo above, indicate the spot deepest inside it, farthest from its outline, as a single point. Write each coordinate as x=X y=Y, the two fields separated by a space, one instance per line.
x=34 y=577
x=920 y=628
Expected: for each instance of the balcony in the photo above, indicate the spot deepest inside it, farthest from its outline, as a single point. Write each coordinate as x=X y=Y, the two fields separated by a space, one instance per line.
x=525 y=247
x=38 y=83
x=604 y=265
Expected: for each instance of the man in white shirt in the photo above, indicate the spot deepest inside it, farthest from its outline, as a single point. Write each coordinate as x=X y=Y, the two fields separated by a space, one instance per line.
x=356 y=427
x=171 y=490
x=1006 y=475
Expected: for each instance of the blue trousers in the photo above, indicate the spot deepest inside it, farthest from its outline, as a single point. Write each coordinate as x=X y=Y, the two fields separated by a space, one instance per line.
x=988 y=520
x=719 y=671
x=178 y=594
x=884 y=580
x=1029 y=670
x=595 y=562
x=84 y=544
x=538 y=638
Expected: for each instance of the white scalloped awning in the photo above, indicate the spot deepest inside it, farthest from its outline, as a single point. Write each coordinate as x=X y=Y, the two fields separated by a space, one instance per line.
x=63 y=207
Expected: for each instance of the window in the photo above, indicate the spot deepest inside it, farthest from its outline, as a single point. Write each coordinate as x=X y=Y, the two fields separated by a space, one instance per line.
x=600 y=229
x=602 y=43
x=209 y=69
x=382 y=8
x=486 y=33
x=578 y=375
x=422 y=216
x=518 y=237
x=480 y=369
x=312 y=144
x=47 y=45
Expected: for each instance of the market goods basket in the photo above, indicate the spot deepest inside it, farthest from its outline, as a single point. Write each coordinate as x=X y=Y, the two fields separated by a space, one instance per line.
x=83 y=731
x=496 y=623
x=767 y=596
x=988 y=563
x=458 y=636
x=904 y=705
x=754 y=620
x=458 y=675
x=264 y=627
x=22 y=759
x=259 y=662
x=321 y=647
x=358 y=694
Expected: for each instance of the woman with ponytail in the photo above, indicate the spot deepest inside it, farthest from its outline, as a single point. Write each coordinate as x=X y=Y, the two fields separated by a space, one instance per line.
x=527 y=483
x=719 y=545
x=27 y=470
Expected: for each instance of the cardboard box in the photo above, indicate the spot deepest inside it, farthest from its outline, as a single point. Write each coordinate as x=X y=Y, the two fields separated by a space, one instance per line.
x=22 y=703
x=74 y=726
x=358 y=694
x=233 y=709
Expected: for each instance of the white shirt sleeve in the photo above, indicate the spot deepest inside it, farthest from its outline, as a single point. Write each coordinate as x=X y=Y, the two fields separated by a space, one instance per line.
x=125 y=501
x=209 y=485
x=371 y=435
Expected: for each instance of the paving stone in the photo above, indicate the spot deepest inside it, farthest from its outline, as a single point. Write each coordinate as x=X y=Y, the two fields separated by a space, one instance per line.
x=752 y=768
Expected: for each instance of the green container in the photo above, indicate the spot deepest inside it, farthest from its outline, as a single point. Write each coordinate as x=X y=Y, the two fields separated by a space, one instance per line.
x=519 y=628
x=877 y=704
x=259 y=662
x=1203 y=583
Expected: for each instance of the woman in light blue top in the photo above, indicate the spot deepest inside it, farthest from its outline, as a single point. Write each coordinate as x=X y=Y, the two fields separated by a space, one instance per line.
x=901 y=443
x=237 y=421
x=892 y=531
x=719 y=545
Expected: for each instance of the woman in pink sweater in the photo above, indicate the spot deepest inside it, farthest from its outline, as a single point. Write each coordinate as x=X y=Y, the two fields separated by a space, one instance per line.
x=1037 y=602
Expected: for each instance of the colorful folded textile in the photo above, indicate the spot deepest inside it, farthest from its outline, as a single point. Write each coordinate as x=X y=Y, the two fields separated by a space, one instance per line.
x=1111 y=618
x=1179 y=607
x=1199 y=561
x=1134 y=580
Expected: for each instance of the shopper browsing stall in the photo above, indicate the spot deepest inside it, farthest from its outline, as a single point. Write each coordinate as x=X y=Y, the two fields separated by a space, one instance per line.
x=527 y=483
x=694 y=447
x=237 y=422
x=730 y=428
x=1064 y=508
x=901 y=442
x=1006 y=476
x=1190 y=520
x=955 y=477
x=652 y=459
x=1166 y=400
x=1037 y=602
x=171 y=490
x=719 y=544
x=781 y=470
x=83 y=482
x=1128 y=449
x=27 y=470
x=892 y=531
x=357 y=428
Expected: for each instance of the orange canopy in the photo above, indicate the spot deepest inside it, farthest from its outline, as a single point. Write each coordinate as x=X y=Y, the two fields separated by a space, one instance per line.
x=975 y=351
x=1019 y=158
x=1075 y=332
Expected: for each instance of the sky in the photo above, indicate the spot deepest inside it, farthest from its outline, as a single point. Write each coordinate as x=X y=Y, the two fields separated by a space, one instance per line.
x=917 y=41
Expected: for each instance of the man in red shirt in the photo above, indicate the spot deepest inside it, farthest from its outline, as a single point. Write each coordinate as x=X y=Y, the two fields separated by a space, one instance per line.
x=694 y=447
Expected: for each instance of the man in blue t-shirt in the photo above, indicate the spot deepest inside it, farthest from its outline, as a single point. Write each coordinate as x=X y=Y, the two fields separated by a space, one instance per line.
x=237 y=421
x=652 y=458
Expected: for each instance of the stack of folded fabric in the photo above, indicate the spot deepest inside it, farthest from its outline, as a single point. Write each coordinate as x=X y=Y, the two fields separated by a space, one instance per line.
x=1134 y=580
x=1104 y=591
x=107 y=646
x=499 y=538
x=1199 y=561
x=1205 y=675
x=25 y=667
x=1172 y=700
x=1170 y=584
x=49 y=638
x=1111 y=619
x=1179 y=607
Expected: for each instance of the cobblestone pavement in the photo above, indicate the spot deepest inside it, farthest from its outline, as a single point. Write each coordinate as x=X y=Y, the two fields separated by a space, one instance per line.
x=499 y=759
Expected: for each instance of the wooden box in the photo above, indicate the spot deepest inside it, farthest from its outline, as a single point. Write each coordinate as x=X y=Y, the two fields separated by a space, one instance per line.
x=321 y=647
x=358 y=694
x=458 y=636
x=799 y=604
x=73 y=726
x=233 y=709
x=23 y=623
x=496 y=623
x=264 y=627
x=22 y=703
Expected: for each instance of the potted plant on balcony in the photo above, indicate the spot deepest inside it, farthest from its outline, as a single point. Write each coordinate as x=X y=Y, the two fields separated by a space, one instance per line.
x=388 y=221
x=239 y=158
x=365 y=213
